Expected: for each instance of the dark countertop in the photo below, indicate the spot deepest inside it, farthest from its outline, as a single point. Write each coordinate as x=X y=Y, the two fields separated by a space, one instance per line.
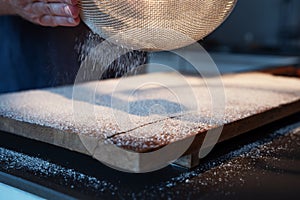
x=261 y=164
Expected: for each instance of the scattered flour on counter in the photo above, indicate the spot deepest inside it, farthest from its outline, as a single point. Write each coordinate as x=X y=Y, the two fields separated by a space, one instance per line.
x=14 y=160
x=217 y=172
x=228 y=166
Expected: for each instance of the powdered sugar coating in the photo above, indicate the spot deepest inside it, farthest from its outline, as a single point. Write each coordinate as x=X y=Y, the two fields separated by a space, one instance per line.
x=154 y=115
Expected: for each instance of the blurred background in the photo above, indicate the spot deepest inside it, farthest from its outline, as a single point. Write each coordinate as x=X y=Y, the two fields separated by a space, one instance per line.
x=258 y=35
x=259 y=27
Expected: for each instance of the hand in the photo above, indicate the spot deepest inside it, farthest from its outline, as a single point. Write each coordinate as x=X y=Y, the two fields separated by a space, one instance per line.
x=47 y=12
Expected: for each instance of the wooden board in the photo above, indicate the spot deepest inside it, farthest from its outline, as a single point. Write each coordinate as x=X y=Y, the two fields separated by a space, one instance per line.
x=126 y=122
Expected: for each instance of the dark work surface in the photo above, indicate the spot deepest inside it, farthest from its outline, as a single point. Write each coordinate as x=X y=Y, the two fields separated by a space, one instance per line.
x=262 y=164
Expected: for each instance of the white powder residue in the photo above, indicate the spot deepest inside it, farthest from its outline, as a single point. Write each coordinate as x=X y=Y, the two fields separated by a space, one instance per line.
x=130 y=123
x=47 y=169
x=229 y=165
x=212 y=174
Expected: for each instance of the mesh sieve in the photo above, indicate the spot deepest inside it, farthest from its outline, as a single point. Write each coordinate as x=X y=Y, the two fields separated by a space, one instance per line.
x=154 y=24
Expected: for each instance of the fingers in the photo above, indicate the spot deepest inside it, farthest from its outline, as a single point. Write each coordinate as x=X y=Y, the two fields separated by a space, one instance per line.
x=55 y=14
x=72 y=11
x=49 y=12
x=48 y=20
x=70 y=2
x=55 y=9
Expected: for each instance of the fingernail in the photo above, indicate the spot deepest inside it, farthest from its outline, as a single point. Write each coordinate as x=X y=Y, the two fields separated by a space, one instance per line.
x=71 y=20
x=67 y=10
x=73 y=2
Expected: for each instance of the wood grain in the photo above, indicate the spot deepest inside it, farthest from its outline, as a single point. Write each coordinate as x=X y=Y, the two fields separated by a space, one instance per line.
x=146 y=113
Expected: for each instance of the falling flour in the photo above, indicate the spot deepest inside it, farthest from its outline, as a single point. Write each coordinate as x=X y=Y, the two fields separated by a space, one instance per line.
x=110 y=59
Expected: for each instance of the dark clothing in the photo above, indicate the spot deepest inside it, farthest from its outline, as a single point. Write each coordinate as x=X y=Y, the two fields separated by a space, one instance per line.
x=33 y=56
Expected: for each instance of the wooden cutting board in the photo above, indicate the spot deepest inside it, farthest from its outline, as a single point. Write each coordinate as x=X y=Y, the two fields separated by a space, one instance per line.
x=143 y=114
